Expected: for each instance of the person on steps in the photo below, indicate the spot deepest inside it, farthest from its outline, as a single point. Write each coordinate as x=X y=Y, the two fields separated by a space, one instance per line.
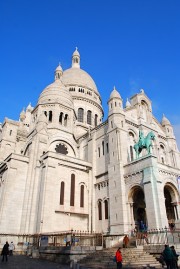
x=119 y=258
x=125 y=241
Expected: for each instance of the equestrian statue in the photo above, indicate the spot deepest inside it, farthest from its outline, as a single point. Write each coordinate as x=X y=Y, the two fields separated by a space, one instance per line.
x=144 y=142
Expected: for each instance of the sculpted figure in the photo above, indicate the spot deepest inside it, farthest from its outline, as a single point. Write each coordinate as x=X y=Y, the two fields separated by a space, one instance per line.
x=144 y=142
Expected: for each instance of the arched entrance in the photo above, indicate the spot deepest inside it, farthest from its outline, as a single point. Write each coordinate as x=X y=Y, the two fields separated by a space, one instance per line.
x=169 y=203
x=139 y=205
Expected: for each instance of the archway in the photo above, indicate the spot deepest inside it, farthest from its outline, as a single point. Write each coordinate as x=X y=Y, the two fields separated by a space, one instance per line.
x=169 y=200
x=139 y=206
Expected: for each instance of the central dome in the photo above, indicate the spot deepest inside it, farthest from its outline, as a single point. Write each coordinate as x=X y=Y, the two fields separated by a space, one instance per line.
x=77 y=76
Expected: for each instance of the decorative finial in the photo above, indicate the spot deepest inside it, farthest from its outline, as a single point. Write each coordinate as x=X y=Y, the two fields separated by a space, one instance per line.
x=76 y=48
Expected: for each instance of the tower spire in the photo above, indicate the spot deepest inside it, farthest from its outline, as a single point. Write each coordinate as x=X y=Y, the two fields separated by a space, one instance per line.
x=76 y=59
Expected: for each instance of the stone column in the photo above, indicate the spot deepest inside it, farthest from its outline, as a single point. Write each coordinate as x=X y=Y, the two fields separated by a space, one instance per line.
x=154 y=195
x=132 y=214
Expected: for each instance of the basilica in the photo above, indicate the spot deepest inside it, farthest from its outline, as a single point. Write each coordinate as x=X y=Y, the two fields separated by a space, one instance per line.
x=62 y=167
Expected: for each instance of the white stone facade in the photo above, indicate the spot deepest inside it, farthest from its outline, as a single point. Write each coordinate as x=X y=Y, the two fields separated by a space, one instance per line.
x=63 y=168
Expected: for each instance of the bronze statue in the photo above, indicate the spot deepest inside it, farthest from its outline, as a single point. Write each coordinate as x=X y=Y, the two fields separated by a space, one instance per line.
x=144 y=142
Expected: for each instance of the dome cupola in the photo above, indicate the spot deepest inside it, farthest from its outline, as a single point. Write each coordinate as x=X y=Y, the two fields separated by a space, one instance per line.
x=58 y=72
x=22 y=115
x=128 y=104
x=76 y=59
x=115 y=94
x=165 y=121
x=115 y=101
x=29 y=108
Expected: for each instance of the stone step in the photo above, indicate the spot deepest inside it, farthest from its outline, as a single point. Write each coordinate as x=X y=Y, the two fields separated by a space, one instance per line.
x=132 y=258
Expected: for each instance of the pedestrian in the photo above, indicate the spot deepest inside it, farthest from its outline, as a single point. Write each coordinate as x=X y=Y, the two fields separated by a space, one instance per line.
x=68 y=240
x=119 y=258
x=11 y=248
x=145 y=236
x=168 y=256
x=175 y=258
x=125 y=241
x=135 y=231
x=73 y=240
x=5 y=252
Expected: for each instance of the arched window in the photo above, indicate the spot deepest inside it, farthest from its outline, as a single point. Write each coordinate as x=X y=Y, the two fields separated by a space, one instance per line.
x=131 y=153
x=143 y=110
x=62 y=193
x=89 y=113
x=162 y=154
x=80 y=114
x=60 y=118
x=106 y=209
x=107 y=148
x=65 y=120
x=103 y=147
x=72 y=193
x=82 y=196
x=50 y=116
x=95 y=119
x=99 y=152
x=100 y=210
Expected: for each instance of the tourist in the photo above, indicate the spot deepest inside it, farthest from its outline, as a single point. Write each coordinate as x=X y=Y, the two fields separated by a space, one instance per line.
x=168 y=257
x=125 y=241
x=68 y=240
x=145 y=236
x=135 y=231
x=175 y=258
x=5 y=251
x=11 y=248
x=119 y=258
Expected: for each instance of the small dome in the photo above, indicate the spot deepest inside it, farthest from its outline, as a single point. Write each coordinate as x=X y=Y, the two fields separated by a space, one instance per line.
x=165 y=121
x=58 y=72
x=22 y=115
x=59 y=68
x=128 y=104
x=76 y=52
x=115 y=94
x=56 y=92
x=29 y=108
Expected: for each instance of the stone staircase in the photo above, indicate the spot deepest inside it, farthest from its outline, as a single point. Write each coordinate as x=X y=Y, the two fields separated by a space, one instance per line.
x=132 y=258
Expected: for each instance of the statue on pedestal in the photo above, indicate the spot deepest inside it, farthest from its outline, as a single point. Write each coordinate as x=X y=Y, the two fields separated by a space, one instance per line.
x=144 y=142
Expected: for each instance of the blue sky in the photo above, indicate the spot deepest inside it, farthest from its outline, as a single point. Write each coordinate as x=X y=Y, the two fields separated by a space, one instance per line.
x=131 y=44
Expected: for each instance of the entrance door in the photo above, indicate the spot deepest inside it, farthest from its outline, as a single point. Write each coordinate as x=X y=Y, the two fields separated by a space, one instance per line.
x=139 y=207
x=168 y=204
